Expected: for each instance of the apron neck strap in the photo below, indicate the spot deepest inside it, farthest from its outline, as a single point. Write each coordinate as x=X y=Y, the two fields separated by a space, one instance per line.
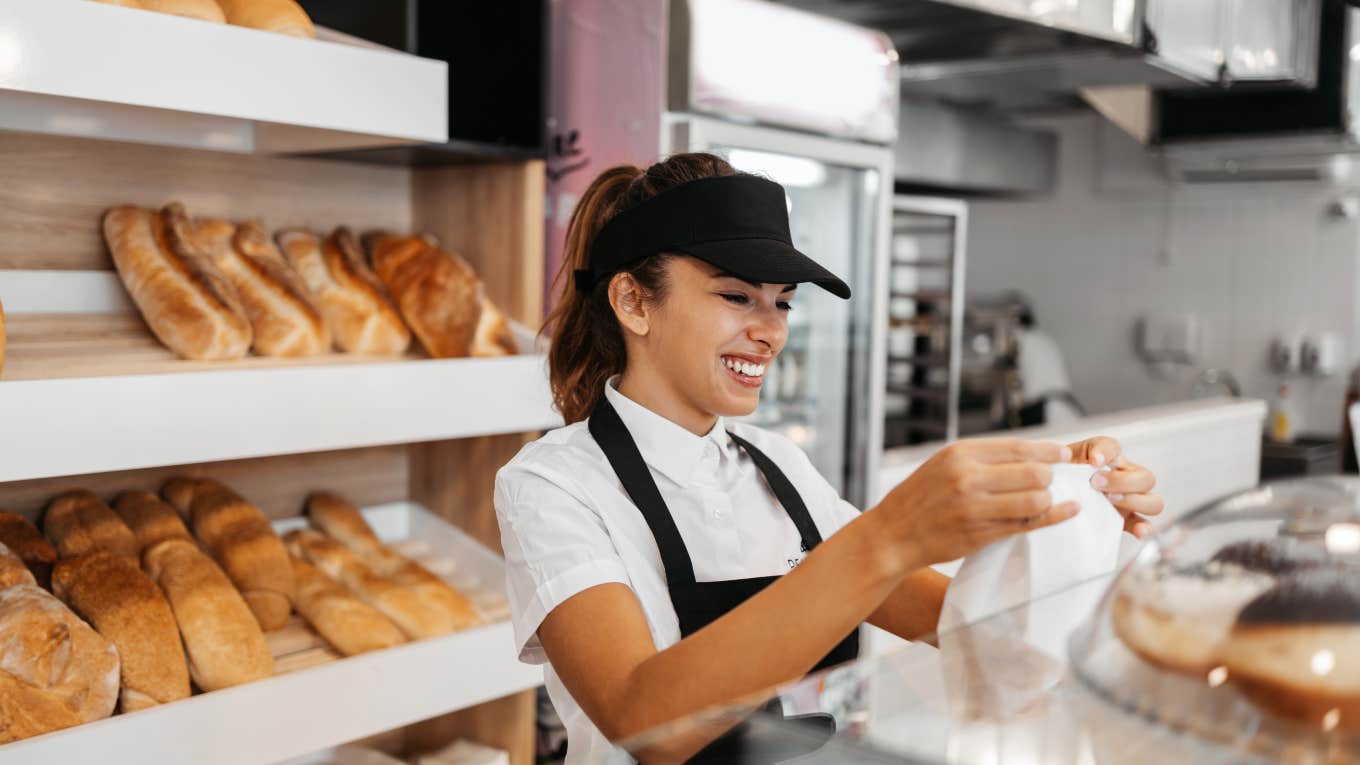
x=784 y=491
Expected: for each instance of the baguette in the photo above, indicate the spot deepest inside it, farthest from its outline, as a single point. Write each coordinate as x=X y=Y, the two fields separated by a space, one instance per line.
x=493 y=336
x=222 y=640
x=281 y=16
x=184 y=298
x=405 y=608
x=126 y=607
x=344 y=620
x=13 y=570
x=78 y=523
x=343 y=521
x=22 y=538
x=150 y=519
x=438 y=293
x=360 y=315
x=283 y=319
x=54 y=670
x=204 y=10
x=242 y=541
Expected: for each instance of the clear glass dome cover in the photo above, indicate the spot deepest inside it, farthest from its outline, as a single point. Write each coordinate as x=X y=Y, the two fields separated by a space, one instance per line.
x=1240 y=624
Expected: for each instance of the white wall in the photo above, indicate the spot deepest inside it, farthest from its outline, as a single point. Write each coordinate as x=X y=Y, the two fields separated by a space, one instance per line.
x=1117 y=242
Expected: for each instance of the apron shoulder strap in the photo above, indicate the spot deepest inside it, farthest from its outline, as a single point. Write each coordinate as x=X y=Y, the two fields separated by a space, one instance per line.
x=623 y=454
x=784 y=491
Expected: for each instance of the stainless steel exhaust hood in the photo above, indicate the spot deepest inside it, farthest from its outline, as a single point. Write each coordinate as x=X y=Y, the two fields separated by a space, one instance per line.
x=1018 y=54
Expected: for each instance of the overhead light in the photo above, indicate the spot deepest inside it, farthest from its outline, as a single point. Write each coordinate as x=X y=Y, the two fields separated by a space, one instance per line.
x=783 y=169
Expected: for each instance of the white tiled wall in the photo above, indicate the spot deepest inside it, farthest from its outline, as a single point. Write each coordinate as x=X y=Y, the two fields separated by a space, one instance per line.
x=1117 y=242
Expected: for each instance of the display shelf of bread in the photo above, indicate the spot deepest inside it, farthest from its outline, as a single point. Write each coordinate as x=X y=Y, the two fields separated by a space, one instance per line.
x=187 y=610
x=246 y=76
x=240 y=341
x=1240 y=625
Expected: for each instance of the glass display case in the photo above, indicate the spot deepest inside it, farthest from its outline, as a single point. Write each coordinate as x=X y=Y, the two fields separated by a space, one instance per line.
x=1233 y=636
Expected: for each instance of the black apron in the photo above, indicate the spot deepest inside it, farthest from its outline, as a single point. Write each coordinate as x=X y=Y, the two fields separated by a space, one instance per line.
x=697 y=604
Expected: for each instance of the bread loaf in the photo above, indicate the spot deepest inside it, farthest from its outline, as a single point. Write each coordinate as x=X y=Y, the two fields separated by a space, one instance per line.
x=493 y=336
x=123 y=605
x=360 y=315
x=12 y=570
x=184 y=298
x=222 y=640
x=23 y=539
x=53 y=661
x=204 y=10
x=345 y=523
x=78 y=523
x=283 y=319
x=282 y=16
x=418 y=619
x=344 y=620
x=438 y=293
x=242 y=541
x=150 y=519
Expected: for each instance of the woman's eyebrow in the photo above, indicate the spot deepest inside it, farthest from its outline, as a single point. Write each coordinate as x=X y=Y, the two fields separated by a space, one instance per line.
x=729 y=275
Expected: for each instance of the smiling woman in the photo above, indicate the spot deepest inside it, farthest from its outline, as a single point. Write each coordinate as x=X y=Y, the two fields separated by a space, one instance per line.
x=661 y=558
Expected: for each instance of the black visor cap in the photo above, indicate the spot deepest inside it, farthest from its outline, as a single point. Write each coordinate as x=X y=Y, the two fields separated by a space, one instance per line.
x=738 y=223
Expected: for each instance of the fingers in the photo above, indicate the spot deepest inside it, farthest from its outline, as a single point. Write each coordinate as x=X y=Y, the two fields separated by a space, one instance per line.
x=1000 y=450
x=1018 y=506
x=1014 y=476
x=1138 y=504
x=1131 y=479
x=1138 y=527
x=1099 y=451
x=1053 y=516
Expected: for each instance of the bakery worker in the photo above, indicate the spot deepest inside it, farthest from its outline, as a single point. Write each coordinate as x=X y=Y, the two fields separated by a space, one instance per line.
x=663 y=560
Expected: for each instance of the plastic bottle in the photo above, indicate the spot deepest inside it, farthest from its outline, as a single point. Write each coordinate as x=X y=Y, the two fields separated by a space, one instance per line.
x=1282 y=417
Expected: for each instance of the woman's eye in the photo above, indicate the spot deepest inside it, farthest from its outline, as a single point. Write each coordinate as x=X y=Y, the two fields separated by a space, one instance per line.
x=781 y=305
x=736 y=299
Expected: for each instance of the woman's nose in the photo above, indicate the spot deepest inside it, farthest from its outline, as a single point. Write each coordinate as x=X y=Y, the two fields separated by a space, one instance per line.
x=770 y=327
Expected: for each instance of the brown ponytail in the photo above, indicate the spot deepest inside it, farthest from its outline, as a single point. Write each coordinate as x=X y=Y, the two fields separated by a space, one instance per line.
x=587 y=344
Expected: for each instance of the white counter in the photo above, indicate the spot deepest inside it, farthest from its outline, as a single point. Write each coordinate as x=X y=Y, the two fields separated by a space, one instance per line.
x=1200 y=450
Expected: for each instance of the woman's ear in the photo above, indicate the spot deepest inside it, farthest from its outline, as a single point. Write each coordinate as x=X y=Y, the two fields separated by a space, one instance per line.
x=629 y=302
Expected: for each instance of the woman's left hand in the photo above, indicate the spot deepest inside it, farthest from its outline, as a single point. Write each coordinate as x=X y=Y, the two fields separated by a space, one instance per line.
x=1128 y=486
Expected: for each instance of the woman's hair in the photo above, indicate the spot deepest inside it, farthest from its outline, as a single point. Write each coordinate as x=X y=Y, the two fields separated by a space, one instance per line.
x=587 y=342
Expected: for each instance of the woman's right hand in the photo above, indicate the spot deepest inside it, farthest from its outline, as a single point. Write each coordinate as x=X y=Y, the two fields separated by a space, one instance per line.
x=968 y=495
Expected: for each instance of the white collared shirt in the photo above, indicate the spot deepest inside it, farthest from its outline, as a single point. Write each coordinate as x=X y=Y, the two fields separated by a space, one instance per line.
x=568 y=525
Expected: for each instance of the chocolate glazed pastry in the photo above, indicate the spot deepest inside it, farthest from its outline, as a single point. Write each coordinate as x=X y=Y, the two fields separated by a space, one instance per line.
x=1295 y=649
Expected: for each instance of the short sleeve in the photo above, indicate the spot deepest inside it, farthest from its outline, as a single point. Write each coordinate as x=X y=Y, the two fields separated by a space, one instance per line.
x=555 y=547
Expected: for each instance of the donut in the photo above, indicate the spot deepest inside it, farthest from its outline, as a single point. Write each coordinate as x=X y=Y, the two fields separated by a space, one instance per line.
x=1295 y=649
x=1176 y=618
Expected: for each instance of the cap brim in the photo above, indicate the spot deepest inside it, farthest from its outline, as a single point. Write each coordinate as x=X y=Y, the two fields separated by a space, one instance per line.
x=768 y=261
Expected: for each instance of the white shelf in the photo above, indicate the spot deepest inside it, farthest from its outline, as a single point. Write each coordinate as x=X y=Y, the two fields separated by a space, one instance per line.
x=58 y=427
x=75 y=67
x=294 y=714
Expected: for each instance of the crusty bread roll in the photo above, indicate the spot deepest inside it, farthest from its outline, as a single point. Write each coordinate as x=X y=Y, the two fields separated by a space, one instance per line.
x=361 y=316
x=222 y=640
x=12 y=570
x=150 y=519
x=124 y=606
x=283 y=318
x=437 y=292
x=344 y=620
x=493 y=336
x=282 y=16
x=184 y=298
x=416 y=617
x=52 y=660
x=204 y=10
x=346 y=524
x=78 y=523
x=242 y=541
x=22 y=538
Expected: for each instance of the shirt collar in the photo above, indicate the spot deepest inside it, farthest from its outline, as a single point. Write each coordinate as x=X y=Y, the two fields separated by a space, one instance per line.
x=670 y=448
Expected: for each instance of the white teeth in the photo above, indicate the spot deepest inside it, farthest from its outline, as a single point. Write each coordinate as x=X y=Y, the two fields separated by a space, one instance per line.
x=746 y=368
